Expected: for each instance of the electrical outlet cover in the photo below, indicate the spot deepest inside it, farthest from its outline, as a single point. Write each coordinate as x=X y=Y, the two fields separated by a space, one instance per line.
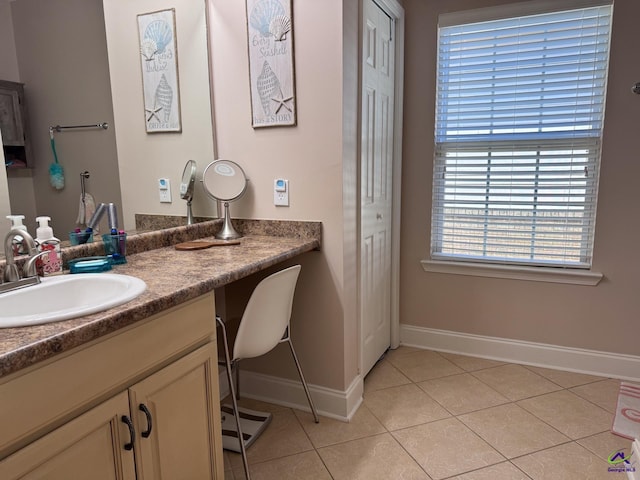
x=164 y=187
x=281 y=192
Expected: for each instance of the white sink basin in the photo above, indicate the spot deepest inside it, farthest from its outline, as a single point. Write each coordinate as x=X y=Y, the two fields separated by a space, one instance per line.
x=67 y=296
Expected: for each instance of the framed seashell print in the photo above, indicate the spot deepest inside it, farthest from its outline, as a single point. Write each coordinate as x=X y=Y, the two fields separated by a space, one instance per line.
x=271 y=69
x=159 y=61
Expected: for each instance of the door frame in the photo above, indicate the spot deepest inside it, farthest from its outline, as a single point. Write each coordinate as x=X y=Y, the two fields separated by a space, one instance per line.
x=396 y=12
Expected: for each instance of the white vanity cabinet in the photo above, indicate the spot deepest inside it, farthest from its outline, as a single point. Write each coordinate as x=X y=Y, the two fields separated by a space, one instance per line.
x=182 y=439
x=89 y=446
x=141 y=403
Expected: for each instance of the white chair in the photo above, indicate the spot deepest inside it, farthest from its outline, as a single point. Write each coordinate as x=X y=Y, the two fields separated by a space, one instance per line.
x=264 y=324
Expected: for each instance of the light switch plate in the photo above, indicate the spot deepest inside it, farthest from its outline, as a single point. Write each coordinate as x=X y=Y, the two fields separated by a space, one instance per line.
x=281 y=192
x=164 y=187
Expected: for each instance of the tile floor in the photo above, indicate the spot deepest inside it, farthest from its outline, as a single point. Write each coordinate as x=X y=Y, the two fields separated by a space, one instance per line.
x=429 y=415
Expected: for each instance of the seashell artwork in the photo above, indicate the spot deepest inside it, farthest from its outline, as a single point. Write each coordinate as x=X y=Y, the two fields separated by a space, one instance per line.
x=263 y=13
x=148 y=49
x=158 y=56
x=160 y=32
x=271 y=70
x=164 y=97
x=267 y=84
x=279 y=27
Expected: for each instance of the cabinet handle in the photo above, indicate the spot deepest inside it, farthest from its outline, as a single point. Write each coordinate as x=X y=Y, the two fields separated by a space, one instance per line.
x=132 y=432
x=147 y=432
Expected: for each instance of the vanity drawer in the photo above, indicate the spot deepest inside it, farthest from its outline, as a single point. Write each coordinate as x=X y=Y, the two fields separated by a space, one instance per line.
x=43 y=398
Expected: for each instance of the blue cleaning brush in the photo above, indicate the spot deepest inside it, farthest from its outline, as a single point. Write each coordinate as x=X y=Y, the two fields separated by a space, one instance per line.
x=56 y=173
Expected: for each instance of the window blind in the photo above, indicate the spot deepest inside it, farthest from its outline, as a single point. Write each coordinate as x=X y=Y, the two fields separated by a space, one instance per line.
x=519 y=119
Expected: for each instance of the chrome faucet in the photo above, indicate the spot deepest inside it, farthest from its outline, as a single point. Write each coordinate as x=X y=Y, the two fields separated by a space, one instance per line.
x=12 y=277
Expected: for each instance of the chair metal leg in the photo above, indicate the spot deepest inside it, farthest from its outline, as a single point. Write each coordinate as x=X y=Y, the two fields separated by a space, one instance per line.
x=236 y=413
x=304 y=383
x=237 y=379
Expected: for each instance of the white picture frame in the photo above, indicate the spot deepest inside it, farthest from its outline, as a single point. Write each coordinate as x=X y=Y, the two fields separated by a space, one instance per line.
x=159 y=62
x=271 y=63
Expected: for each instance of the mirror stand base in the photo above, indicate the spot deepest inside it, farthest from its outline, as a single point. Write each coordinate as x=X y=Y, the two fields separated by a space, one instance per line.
x=227 y=232
x=189 y=214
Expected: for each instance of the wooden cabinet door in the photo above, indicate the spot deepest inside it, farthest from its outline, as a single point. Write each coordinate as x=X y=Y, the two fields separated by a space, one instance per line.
x=11 y=115
x=91 y=446
x=182 y=401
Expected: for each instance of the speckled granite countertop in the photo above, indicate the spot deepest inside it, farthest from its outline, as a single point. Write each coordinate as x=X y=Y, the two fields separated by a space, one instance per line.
x=172 y=277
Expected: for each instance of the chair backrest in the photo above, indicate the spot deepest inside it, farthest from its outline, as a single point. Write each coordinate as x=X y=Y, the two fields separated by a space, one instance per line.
x=267 y=314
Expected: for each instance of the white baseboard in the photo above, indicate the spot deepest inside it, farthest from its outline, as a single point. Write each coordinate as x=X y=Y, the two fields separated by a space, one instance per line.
x=290 y=393
x=592 y=362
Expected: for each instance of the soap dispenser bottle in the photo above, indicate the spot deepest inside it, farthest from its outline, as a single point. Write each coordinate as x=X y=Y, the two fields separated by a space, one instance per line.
x=16 y=223
x=51 y=263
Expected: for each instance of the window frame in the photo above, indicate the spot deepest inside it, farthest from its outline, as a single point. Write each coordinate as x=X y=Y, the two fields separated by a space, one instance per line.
x=488 y=266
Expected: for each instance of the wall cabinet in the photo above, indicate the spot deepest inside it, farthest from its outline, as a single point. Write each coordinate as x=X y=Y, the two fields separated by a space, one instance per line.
x=161 y=423
x=14 y=125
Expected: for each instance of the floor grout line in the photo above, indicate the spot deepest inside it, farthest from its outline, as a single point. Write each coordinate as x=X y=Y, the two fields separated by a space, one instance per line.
x=410 y=381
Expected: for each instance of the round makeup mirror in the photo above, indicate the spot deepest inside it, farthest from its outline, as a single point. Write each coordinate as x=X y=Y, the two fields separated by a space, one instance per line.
x=225 y=181
x=186 y=187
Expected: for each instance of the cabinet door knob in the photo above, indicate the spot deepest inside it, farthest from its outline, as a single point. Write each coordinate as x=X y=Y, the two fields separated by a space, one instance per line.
x=147 y=432
x=132 y=432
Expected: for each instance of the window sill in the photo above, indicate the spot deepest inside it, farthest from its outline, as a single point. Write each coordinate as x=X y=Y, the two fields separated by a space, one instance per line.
x=515 y=272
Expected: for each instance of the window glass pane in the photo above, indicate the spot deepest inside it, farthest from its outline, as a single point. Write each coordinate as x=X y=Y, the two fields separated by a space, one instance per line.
x=520 y=106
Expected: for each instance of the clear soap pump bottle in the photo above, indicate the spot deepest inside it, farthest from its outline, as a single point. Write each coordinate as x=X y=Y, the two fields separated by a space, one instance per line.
x=51 y=263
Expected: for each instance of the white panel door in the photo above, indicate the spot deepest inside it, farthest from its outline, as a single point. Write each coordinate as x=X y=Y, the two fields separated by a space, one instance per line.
x=376 y=164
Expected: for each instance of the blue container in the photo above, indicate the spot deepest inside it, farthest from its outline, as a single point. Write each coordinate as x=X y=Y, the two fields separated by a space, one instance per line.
x=115 y=247
x=90 y=265
x=78 y=238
